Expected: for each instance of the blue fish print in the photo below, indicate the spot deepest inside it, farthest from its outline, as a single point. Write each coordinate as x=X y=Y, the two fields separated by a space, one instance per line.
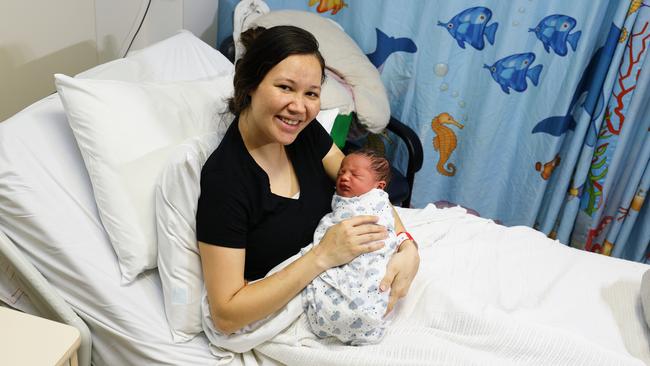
x=512 y=71
x=588 y=94
x=380 y=206
x=346 y=214
x=554 y=32
x=470 y=25
x=356 y=324
x=387 y=45
x=356 y=303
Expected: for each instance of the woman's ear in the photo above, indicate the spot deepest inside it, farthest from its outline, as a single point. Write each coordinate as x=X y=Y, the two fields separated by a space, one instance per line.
x=381 y=184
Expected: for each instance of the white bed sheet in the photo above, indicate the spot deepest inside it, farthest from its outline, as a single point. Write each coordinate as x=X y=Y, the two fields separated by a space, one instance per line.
x=486 y=295
x=45 y=187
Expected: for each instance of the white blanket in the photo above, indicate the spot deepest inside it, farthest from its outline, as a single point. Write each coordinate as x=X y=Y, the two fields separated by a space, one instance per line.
x=485 y=294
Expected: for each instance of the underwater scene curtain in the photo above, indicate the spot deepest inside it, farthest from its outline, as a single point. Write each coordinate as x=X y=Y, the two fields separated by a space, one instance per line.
x=530 y=112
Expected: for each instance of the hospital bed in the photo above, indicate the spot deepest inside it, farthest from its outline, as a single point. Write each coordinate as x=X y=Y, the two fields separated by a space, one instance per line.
x=485 y=293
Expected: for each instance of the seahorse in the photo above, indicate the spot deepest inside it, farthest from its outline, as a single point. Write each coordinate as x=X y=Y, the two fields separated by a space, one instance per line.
x=445 y=141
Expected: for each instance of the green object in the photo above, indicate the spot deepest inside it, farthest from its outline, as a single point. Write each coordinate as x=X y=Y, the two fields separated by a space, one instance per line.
x=340 y=129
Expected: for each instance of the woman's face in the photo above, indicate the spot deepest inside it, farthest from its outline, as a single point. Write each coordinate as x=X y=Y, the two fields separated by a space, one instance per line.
x=356 y=177
x=286 y=100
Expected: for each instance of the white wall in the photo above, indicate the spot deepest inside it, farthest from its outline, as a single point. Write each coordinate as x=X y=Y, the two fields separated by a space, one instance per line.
x=40 y=38
x=37 y=39
x=115 y=22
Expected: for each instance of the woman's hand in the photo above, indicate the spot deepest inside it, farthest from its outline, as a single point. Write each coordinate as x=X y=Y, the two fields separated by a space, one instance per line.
x=400 y=271
x=348 y=239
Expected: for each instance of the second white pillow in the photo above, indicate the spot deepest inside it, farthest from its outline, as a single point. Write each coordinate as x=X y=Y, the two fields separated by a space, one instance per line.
x=179 y=263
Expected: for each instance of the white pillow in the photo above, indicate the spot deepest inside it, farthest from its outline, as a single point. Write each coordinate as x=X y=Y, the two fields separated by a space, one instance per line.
x=179 y=264
x=126 y=132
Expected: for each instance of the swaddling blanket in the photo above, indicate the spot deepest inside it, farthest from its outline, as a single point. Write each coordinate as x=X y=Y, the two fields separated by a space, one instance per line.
x=345 y=301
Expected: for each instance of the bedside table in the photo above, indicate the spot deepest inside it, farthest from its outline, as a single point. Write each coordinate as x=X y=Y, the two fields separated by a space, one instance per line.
x=32 y=341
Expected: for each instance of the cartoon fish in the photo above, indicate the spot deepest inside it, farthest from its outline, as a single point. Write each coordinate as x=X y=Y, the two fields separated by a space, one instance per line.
x=470 y=25
x=554 y=31
x=387 y=45
x=547 y=168
x=512 y=71
x=327 y=5
x=586 y=95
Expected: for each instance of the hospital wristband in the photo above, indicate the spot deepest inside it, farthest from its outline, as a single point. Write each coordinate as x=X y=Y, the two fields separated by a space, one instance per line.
x=404 y=236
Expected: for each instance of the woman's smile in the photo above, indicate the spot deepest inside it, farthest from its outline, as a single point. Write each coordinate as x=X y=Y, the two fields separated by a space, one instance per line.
x=291 y=122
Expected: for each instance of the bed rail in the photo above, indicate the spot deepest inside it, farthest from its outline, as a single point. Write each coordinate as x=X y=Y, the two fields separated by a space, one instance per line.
x=44 y=296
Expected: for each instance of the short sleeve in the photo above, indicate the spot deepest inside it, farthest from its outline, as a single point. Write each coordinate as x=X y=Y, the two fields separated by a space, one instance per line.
x=221 y=216
x=315 y=137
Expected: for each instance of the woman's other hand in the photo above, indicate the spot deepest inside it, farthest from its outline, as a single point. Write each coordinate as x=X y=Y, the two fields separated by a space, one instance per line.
x=348 y=239
x=400 y=272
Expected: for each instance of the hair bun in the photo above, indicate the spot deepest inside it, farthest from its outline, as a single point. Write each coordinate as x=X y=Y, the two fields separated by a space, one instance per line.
x=250 y=35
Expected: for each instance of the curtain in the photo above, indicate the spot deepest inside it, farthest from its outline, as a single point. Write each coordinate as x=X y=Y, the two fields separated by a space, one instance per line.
x=530 y=112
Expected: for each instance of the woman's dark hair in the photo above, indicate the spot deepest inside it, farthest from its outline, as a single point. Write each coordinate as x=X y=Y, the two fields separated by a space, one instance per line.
x=378 y=163
x=266 y=48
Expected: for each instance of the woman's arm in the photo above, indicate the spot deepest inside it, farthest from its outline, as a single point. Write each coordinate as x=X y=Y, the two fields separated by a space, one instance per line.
x=234 y=303
x=401 y=269
x=332 y=161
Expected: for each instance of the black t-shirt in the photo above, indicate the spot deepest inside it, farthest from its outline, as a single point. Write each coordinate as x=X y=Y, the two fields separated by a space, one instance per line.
x=237 y=209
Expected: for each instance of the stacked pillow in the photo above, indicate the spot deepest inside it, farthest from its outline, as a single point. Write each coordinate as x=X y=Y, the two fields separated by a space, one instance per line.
x=126 y=132
x=127 y=124
x=179 y=264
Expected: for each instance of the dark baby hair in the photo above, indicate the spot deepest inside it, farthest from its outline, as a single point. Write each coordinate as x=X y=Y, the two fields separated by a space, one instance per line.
x=266 y=48
x=378 y=163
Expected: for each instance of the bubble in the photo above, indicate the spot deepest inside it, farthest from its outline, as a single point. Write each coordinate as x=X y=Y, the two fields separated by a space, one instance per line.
x=462 y=104
x=444 y=86
x=464 y=117
x=454 y=94
x=515 y=23
x=441 y=69
x=522 y=10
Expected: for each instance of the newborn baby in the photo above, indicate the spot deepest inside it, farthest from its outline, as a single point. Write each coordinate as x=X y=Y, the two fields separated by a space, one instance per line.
x=345 y=301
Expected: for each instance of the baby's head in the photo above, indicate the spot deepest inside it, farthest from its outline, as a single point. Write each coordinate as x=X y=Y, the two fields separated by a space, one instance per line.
x=361 y=171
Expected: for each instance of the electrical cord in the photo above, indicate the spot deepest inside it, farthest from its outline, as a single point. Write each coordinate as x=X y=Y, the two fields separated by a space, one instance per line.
x=138 y=30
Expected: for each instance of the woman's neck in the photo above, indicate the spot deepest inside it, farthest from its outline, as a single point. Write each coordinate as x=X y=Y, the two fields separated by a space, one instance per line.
x=266 y=153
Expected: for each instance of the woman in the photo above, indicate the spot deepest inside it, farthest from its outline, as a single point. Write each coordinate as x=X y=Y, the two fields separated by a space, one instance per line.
x=270 y=181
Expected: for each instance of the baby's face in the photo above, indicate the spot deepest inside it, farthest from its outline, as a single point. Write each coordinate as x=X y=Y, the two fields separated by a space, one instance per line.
x=355 y=176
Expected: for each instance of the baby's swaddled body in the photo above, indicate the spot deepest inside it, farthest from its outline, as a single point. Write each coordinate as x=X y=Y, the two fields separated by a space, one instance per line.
x=345 y=301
